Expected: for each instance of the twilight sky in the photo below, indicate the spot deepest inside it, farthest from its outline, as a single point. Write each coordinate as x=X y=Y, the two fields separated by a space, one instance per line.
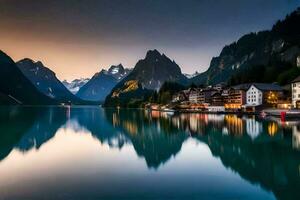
x=76 y=38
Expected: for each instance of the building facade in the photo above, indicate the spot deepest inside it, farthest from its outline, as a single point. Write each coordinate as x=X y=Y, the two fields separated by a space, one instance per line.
x=254 y=96
x=295 y=86
x=195 y=96
x=235 y=97
x=263 y=94
x=217 y=99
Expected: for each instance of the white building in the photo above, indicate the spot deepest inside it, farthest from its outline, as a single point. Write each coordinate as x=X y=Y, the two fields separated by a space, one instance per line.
x=263 y=94
x=254 y=96
x=296 y=92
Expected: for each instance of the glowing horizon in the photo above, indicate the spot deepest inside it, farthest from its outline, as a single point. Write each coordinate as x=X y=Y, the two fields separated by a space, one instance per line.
x=79 y=40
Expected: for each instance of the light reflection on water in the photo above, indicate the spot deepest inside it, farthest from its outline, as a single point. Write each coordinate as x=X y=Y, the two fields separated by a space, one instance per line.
x=88 y=152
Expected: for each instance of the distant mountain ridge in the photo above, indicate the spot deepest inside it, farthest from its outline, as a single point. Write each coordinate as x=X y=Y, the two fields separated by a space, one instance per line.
x=271 y=54
x=76 y=84
x=46 y=81
x=101 y=84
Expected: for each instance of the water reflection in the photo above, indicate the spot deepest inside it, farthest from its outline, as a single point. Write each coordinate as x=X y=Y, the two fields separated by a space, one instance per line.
x=263 y=152
x=28 y=127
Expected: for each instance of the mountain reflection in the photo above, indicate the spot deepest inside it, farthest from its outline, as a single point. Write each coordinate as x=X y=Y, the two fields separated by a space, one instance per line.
x=152 y=136
x=25 y=128
x=263 y=152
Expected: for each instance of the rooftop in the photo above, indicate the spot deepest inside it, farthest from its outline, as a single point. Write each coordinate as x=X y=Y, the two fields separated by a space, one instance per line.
x=260 y=86
x=296 y=79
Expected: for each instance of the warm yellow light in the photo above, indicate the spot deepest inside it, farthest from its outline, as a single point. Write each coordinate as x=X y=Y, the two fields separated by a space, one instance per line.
x=272 y=128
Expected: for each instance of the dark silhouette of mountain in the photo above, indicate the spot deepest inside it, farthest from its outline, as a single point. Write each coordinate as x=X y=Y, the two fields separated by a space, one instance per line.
x=155 y=69
x=148 y=74
x=75 y=85
x=274 y=55
x=102 y=83
x=46 y=81
x=15 y=88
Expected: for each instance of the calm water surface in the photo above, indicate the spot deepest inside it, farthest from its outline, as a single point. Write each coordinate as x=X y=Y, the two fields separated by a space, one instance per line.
x=92 y=153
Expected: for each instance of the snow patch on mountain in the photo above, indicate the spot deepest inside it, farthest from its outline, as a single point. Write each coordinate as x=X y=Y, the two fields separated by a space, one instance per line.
x=76 y=84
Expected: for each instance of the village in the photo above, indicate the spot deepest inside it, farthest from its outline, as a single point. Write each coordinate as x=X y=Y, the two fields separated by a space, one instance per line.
x=251 y=98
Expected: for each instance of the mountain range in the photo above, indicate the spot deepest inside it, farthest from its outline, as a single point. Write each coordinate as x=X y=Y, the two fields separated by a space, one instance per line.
x=147 y=76
x=75 y=85
x=272 y=54
x=101 y=84
x=46 y=81
x=15 y=88
x=265 y=56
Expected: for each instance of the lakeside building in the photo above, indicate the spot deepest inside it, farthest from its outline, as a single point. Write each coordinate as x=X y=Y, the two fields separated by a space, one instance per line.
x=206 y=95
x=195 y=96
x=247 y=97
x=236 y=97
x=263 y=95
x=217 y=99
x=181 y=96
x=295 y=86
x=201 y=96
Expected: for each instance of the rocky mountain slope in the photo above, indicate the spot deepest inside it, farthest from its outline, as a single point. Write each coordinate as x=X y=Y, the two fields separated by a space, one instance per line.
x=273 y=54
x=147 y=76
x=101 y=84
x=155 y=69
x=15 y=88
x=46 y=81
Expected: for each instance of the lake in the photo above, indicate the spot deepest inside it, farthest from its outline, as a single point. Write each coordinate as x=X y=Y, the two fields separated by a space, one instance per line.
x=95 y=153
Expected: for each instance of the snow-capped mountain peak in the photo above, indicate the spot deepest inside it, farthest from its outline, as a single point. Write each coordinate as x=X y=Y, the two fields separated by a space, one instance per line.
x=76 y=84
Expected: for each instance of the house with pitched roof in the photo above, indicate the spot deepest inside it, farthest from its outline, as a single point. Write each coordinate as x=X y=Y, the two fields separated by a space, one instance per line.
x=263 y=94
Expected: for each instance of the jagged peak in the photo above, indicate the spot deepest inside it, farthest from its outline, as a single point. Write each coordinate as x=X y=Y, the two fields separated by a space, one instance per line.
x=26 y=60
x=153 y=53
x=31 y=61
x=119 y=66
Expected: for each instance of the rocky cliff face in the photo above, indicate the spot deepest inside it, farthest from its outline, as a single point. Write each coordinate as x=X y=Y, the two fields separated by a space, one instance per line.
x=275 y=51
x=102 y=83
x=148 y=75
x=15 y=88
x=46 y=81
x=155 y=69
